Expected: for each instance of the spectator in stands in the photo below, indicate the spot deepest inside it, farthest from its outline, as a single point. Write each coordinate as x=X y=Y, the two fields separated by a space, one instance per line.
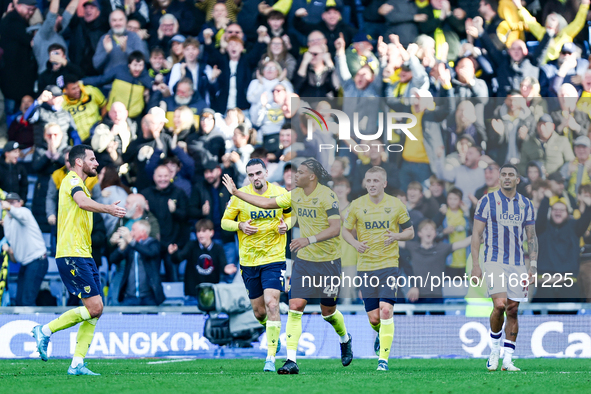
x=468 y=177
x=85 y=103
x=401 y=19
x=559 y=239
x=491 y=183
x=183 y=125
x=429 y=259
x=411 y=74
x=467 y=85
x=48 y=108
x=488 y=11
x=184 y=12
x=159 y=68
x=19 y=71
x=420 y=156
x=137 y=209
x=557 y=186
x=269 y=116
x=513 y=66
x=538 y=191
x=579 y=169
x=208 y=201
x=50 y=32
x=568 y=68
x=512 y=124
x=454 y=224
x=415 y=200
x=536 y=148
x=190 y=67
x=112 y=190
x=208 y=144
x=331 y=26
x=45 y=162
x=445 y=25
x=236 y=71
x=115 y=47
x=570 y=121
x=141 y=150
x=206 y=260
x=236 y=159
x=14 y=175
x=19 y=129
x=124 y=128
x=556 y=26
x=463 y=122
x=218 y=23
x=437 y=189
x=141 y=279
x=58 y=68
x=129 y=83
x=184 y=95
x=168 y=27
x=530 y=90
x=25 y=246
x=264 y=83
x=181 y=167
x=86 y=33
x=169 y=204
x=278 y=51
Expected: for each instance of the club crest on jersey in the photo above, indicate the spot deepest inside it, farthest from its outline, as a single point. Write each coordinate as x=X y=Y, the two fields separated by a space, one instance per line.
x=315 y=201
x=387 y=210
x=365 y=211
x=74 y=181
x=87 y=289
x=335 y=205
x=522 y=206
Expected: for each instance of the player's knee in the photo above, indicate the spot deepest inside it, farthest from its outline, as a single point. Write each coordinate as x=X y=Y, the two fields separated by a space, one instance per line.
x=512 y=310
x=297 y=305
x=260 y=313
x=374 y=319
x=95 y=311
x=272 y=305
x=385 y=313
x=500 y=305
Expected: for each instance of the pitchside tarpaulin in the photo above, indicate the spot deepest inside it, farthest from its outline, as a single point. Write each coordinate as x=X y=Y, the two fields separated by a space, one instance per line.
x=415 y=336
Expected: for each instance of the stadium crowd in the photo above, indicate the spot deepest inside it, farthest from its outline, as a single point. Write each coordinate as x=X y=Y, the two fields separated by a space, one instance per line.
x=172 y=94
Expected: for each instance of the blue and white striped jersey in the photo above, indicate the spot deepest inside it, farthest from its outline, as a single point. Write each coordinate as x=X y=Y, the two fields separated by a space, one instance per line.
x=505 y=223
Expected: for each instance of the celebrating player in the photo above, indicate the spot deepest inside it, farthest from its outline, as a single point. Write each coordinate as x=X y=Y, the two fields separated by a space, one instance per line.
x=74 y=258
x=502 y=217
x=318 y=253
x=378 y=218
x=261 y=235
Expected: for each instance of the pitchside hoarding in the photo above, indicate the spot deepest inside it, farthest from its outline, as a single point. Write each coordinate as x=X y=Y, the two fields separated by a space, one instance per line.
x=415 y=336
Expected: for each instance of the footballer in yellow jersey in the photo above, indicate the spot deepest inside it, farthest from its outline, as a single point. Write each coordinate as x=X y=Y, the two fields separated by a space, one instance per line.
x=261 y=238
x=377 y=219
x=316 y=209
x=74 y=258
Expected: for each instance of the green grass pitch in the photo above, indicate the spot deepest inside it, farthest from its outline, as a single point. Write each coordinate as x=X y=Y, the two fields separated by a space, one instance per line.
x=316 y=376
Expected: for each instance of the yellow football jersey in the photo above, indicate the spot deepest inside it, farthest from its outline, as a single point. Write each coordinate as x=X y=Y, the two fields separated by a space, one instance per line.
x=266 y=245
x=74 y=224
x=312 y=213
x=372 y=222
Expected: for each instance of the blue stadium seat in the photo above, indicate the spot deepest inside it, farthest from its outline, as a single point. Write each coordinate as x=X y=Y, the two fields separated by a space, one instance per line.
x=174 y=293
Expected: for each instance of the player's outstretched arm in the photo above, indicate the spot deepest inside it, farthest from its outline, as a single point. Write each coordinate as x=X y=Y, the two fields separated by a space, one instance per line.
x=477 y=232
x=88 y=204
x=258 y=201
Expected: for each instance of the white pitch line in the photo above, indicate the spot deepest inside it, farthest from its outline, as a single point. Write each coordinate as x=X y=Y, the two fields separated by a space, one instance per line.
x=170 y=361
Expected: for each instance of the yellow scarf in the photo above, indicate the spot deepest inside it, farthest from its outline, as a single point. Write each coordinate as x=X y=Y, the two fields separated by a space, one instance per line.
x=439 y=38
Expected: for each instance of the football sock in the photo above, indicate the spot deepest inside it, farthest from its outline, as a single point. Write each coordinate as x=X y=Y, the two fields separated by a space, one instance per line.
x=495 y=338
x=509 y=349
x=84 y=337
x=264 y=321
x=76 y=361
x=67 y=320
x=337 y=321
x=376 y=328
x=386 y=337
x=273 y=330
x=293 y=330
